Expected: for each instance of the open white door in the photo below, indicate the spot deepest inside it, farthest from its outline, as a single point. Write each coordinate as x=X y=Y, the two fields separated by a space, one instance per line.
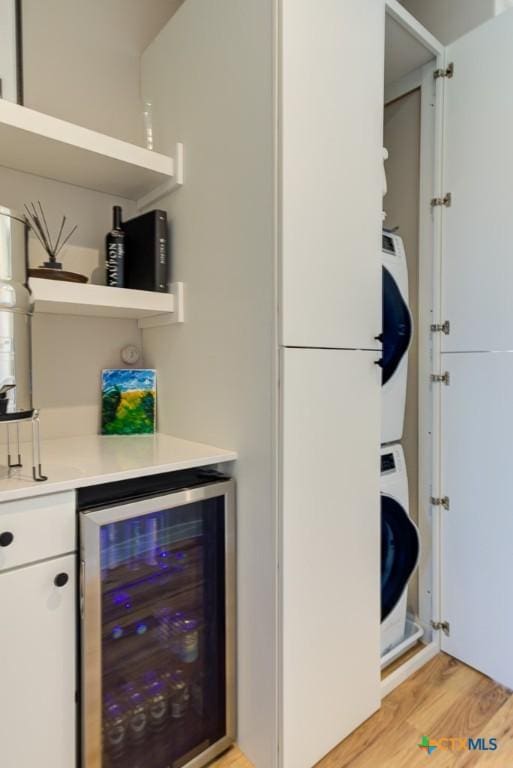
x=477 y=278
x=477 y=299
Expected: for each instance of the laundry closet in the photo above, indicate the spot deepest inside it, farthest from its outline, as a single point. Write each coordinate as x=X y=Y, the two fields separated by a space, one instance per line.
x=446 y=120
x=448 y=334
x=446 y=364
x=413 y=74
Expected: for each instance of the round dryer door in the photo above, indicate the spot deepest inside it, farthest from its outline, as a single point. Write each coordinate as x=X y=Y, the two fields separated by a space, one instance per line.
x=399 y=552
x=397 y=326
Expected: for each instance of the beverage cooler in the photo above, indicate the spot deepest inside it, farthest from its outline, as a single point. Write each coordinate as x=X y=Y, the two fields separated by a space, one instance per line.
x=158 y=621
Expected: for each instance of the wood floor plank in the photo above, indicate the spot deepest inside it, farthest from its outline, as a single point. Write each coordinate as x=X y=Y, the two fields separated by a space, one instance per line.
x=387 y=726
x=232 y=759
x=443 y=699
x=473 y=709
x=407 y=754
x=500 y=726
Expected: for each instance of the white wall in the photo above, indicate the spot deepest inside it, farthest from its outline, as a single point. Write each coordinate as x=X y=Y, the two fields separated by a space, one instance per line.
x=209 y=75
x=503 y=5
x=450 y=19
x=402 y=139
x=68 y=356
x=69 y=352
x=81 y=60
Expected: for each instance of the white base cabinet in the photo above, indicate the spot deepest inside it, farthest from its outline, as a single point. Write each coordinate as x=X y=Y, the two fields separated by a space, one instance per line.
x=38 y=653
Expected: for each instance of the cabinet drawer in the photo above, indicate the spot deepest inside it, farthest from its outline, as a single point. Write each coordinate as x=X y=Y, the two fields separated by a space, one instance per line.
x=36 y=528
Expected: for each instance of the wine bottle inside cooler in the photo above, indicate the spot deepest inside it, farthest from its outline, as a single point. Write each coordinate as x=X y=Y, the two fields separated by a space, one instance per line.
x=115 y=246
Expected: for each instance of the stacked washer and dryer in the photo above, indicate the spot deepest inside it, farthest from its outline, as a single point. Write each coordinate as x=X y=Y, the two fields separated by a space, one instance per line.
x=400 y=545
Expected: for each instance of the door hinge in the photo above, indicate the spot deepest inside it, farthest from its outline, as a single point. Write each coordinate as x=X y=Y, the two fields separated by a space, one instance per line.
x=441 y=378
x=449 y=72
x=442 y=625
x=441 y=502
x=443 y=328
x=445 y=200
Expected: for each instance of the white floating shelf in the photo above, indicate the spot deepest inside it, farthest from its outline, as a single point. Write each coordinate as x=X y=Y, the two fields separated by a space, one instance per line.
x=149 y=308
x=46 y=146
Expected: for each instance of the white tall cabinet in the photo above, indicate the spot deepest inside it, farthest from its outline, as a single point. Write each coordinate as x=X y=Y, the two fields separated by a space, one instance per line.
x=277 y=239
x=330 y=138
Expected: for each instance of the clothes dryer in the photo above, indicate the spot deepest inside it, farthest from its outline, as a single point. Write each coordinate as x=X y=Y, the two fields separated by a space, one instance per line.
x=400 y=546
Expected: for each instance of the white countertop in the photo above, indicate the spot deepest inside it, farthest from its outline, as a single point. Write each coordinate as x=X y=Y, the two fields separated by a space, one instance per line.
x=77 y=462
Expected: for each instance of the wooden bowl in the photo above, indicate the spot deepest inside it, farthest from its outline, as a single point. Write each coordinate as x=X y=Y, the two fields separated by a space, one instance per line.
x=58 y=274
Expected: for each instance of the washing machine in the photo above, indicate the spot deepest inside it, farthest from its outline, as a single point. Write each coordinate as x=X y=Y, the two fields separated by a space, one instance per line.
x=396 y=338
x=400 y=546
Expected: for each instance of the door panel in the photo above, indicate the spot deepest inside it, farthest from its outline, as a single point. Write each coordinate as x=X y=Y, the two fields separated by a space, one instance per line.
x=330 y=565
x=331 y=172
x=38 y=650
x=477 y=279
x=477 y=531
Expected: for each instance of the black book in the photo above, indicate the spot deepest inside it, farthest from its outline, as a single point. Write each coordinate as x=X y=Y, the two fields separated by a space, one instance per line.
x=147 y=252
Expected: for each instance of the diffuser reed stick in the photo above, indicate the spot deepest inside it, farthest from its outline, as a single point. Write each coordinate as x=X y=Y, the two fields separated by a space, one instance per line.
x=38 y=223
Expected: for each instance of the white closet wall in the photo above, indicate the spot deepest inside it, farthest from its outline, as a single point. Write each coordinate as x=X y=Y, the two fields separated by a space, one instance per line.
x=449 y=19
x=402 y=139
x=82 y=60
x=209 y=75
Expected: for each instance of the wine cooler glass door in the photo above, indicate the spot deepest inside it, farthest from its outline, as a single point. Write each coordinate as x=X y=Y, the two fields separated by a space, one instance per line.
x=158 y=630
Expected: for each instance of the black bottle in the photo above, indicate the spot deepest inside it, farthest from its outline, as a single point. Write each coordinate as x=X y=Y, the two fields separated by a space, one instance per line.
x=115 y=246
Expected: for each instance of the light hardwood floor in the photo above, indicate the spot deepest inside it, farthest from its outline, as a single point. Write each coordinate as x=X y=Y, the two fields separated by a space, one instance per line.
x=443 y=699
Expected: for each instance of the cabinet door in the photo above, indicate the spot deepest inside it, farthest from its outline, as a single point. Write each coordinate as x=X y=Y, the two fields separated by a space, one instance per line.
x=477 y=278
x=477 y=531
x=477 y=407
x=330 y=549
x=38 y=650
x=331 y=172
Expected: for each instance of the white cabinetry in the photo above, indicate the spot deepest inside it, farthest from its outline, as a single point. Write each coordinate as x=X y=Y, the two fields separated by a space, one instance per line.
x=38 y=652
x=331 y=172
x=38 y=632
x=477 y=277
x=477 y=410
x=321 y=109
x=36 y=529
x=330 y=549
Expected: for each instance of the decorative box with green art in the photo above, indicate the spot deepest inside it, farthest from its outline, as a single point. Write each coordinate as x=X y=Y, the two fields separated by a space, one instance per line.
x=129 y=401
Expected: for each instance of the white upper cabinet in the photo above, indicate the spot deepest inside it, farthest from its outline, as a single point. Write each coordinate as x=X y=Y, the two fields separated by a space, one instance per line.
x=477 y=275
x=331 y=126
x=330 y=549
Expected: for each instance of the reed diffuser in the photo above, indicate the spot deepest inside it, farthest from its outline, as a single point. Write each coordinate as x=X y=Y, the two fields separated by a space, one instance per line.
x=51 y=269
